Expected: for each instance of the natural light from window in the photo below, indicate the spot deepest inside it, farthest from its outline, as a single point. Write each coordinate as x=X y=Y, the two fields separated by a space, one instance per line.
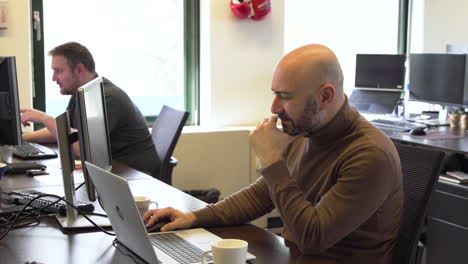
x=138 y=45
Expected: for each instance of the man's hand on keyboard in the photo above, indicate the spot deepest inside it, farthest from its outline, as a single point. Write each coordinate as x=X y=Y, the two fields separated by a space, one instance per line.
x=179 y=219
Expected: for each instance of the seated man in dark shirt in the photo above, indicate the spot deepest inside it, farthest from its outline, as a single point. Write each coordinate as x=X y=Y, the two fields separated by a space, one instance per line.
x=131 y=142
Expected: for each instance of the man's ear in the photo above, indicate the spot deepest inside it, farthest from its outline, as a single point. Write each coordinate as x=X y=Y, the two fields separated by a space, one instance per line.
x=80 y=68
x=327 y=94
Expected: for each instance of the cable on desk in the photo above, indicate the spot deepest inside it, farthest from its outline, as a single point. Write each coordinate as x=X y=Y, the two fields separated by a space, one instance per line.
x=13 y=222
x=29 y=217
x=20 y=223
x=79 y=186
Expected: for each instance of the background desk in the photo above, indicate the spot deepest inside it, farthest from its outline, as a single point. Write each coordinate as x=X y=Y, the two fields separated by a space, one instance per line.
x=447 y=222
x=47 y=243
x=454 y=145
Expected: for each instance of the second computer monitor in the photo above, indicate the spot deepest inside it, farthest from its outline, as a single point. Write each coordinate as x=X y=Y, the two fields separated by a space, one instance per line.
x=92 y=129
x=10 y=122
x=385 y=71
x=439 y=78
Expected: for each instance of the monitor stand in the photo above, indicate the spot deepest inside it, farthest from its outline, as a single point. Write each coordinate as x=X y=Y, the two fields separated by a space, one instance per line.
x=80 y=222
x=65 y=140
x=73 y=220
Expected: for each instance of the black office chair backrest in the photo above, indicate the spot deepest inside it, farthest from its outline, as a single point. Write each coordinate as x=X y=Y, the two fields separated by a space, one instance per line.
x=166 y=132
x=421 y=168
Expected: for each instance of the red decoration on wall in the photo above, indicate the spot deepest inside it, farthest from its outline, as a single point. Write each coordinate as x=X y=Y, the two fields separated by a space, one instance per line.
x=254 y=9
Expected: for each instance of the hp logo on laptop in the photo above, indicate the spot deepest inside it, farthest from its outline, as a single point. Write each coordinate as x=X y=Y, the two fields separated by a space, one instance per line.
x=117 y=209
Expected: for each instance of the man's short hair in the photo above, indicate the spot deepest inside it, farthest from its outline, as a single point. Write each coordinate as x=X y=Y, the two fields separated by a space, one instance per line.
x=75 y=53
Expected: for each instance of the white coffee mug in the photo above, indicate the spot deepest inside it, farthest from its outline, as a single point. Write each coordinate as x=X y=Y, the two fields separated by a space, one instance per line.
x=143 y=203
x=227 y=251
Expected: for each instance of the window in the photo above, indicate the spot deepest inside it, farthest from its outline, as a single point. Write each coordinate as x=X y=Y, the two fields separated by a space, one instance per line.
x=347 y=27
x=138 y=45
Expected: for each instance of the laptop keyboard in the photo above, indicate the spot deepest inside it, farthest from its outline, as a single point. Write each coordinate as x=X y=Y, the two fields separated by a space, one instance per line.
x=395 y=125
x=177 y=248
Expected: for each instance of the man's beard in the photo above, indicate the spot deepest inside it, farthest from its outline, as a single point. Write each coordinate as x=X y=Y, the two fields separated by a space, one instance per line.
x=307 y=124
x=73 y=85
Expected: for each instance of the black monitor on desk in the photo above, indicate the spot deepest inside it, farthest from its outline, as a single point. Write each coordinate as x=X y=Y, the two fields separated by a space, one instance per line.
x=384 y=71
x=378 y=83
x=10 y=121
x=10 y=117
x=439 y=78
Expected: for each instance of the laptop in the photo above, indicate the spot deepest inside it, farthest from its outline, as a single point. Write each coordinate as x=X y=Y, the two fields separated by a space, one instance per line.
x=117 y=200
x=374 y=101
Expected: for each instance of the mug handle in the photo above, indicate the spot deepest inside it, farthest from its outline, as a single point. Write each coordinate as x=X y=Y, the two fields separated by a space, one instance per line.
x=204 y=255
x=153 y=202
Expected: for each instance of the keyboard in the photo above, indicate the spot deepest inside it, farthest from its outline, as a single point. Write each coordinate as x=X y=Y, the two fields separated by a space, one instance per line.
x=395 y=125
x=177 y=248
x=60 y=207
x=33 y=151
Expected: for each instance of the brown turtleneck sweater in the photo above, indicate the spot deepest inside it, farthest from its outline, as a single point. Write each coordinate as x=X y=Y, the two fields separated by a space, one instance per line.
x=339 y=193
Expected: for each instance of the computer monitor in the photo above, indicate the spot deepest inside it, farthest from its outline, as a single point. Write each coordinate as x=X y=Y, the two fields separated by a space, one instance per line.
x=439 y=78
x=385 y=71
x=10 y=120
x=93 y=130
x=65 y=139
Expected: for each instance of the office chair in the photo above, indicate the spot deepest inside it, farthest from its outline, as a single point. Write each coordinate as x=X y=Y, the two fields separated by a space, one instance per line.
x=165 y=133
x=421 y=168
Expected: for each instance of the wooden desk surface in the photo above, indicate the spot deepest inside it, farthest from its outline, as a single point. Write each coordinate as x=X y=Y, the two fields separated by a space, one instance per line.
x=47 y=243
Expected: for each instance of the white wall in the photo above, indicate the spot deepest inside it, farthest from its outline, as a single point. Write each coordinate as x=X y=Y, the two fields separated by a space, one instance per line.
x=238 y=58
x=444 y=21
x=15 y=41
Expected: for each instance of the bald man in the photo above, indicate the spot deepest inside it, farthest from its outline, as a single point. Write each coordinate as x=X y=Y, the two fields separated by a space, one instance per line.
x=334 y=178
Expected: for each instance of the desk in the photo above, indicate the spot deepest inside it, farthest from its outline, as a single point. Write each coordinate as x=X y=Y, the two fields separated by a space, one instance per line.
x=47 y=243
x=455 y=145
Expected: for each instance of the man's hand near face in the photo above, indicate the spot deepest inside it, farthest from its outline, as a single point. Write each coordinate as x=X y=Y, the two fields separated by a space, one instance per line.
x=269 y=142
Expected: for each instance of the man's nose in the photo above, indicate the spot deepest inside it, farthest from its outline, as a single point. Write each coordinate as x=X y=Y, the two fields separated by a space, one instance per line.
x=276 y=106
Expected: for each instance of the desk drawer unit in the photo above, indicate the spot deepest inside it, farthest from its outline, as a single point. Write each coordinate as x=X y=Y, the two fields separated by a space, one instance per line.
x=447 y=229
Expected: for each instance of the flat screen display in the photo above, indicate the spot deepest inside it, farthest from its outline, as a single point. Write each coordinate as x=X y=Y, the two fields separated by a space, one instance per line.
x=10 y=120
x=438 y=78
x=385 y=71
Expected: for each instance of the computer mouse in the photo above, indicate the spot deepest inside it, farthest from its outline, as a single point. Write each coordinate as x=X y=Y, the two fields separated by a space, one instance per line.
x=157 y=226
x=417 y=132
